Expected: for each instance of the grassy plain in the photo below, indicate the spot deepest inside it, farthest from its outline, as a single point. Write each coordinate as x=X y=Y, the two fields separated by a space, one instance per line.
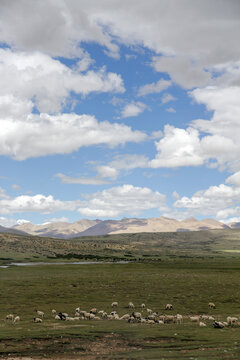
x=185 y=269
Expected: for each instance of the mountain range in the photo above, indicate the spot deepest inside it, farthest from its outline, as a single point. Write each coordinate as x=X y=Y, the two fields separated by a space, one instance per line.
x=87 y=227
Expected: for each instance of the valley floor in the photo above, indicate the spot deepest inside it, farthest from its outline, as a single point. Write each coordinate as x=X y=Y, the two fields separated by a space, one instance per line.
x=188 y=284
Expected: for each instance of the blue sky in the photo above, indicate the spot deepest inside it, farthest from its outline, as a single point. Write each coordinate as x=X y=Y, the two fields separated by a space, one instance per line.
x=111 y=111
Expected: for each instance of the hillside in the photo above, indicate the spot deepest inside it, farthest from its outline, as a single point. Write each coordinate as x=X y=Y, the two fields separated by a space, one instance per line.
x=121 y=246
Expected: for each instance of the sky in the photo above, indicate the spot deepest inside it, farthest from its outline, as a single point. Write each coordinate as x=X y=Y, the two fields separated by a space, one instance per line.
x=112 y=109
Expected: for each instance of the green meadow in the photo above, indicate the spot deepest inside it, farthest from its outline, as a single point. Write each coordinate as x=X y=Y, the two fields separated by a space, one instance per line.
x=188 y=270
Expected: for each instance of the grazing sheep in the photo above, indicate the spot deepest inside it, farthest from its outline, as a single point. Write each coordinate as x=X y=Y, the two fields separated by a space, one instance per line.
x=212 y=305
x=211 y=318
x=218 y=325
x=131 y=305
x=202 y=324
x=113 y=312
x=194 y=318
x=37 y=320
x=143 y=321
x=125 y=317
x=9 y=317
x=169 y=318
x=204 y=317
x=65 y=314
x=40 y=313
x=143 y=306
x=231 y=320
x=179 y=319
x=57 y=317
x=93 y=311
x=78 y=309
x=150 y=322
x=149 y=311
x=97 y=318
x=137 y=315
x=161 y=322
x=114 y=304
x=101 y=312
x=54 y=312
x=104 y=315
x=62 y=316
x=16 y=319
x=69 y=318
x=169 y=307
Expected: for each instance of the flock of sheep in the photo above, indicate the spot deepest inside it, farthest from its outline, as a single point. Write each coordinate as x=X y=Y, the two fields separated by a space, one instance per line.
x=149 y=317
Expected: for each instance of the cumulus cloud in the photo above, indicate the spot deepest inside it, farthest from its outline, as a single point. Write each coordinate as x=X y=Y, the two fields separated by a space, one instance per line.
x=133 y=109
x=58 y=27
x=126 y=199
x=182 y=71
x=46 y=81
x=154 y=88
x=40 y=135
x=220 y=201
x=36 y=203
x=178 y=147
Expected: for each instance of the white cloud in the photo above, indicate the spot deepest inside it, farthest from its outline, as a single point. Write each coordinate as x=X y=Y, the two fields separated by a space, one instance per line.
x=219 y=201
x=120 y=200
x=106 y=171
x=171 y=110
x=7 y=222
x=40 y=135
x=167 y=97
x=133 y=109
x=36 y=203
x=154 y=88
x=178 y=147
x=222 y=140
x=182 y=71
x=234 y=179
x=168 y=27
x=15 y=186
x=48 y=82
x=81 y=180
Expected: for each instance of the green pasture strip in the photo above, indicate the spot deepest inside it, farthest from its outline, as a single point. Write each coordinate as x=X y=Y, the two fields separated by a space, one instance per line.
x=187 y=283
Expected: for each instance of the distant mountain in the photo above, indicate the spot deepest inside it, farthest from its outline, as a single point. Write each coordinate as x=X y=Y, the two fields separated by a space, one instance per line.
x=12 y=231
x=58 y=229
x=234 y=225
x=86 y=227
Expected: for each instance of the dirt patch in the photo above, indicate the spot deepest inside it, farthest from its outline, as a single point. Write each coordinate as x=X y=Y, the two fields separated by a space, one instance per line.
x=107 y=347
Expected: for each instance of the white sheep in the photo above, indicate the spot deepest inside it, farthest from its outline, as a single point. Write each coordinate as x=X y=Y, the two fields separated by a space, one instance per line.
x=212 y=305
x=57 y=317
x=143 y=306
x=54 y=312
x=78 y=309
x=114 y=304
x=40 y=313
x=194 y=318
x=169 y=307
x=37 y=320
x=9 y=317
x=125 y=317
x=179 y=319
x=202 y=324
x=149 y=311
x=131 y=305
x=93 y=311
x=231 y=320
x=16 y=319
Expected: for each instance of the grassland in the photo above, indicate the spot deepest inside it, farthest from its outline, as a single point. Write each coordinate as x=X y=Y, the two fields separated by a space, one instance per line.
x=185 y=269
